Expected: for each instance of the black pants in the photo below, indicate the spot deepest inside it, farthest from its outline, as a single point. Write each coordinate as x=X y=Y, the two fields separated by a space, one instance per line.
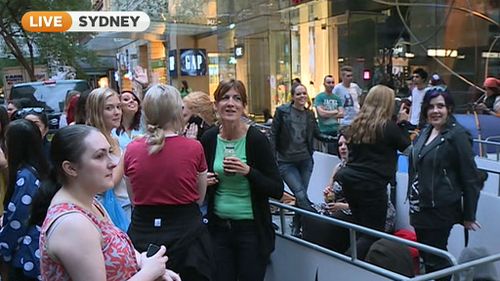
x=237 y=250
x=368 y=205
x=436 y=237
x=181 y=231
x=330 y=236
x=332 y=147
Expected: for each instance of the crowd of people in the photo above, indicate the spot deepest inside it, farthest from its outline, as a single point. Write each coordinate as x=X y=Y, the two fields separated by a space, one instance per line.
x=443 y=191
x=177 y=169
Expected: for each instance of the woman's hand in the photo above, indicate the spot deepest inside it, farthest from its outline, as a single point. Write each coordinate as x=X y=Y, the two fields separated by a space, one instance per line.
x=170 y=276
x=212 y=179
x=472 y=225
x=481 y=107
x=328 y=189
x=154 y=266
x=328 y=195
x=333 y=207
x=140 y=75
x=403 y=113
x=191 y=132
x=234 y=165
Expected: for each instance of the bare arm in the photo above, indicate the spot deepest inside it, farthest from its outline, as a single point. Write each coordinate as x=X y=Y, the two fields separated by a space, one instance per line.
x=202 y=186
x=340 y=112
x=327 y=113
x=129 y=190
x=76 y=243
x=118 y=171
x=3 y=160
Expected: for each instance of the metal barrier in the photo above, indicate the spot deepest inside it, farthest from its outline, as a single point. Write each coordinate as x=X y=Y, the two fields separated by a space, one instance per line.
x=494 y=141
x=354 y=228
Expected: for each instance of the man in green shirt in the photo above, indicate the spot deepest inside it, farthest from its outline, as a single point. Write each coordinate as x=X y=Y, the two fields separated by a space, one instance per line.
x=329 y=108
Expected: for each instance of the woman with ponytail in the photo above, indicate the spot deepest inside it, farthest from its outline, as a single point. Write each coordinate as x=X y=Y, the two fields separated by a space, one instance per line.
x=26 y=168
x=78 y=241
x=166 y=175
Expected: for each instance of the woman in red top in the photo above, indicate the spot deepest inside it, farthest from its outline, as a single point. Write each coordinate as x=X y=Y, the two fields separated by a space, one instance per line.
x=78 y=241
x=166 y=176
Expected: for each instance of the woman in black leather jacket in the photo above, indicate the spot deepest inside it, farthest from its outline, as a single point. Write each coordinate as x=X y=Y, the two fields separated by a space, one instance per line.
x=444 y=187
x=292 y=132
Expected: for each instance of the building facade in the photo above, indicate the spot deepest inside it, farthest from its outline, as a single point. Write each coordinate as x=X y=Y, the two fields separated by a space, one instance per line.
x=267 y=43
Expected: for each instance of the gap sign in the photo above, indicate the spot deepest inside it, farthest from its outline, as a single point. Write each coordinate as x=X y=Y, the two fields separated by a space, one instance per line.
x=193 y=62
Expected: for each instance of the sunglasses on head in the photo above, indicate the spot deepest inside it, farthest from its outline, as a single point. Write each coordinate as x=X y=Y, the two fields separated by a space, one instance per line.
x=439 y=89
x=21 y=113
x=32 y=110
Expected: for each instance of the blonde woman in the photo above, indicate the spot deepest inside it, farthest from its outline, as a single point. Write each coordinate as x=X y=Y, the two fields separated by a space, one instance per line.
x=373 y=142
x=104 y=112
x=199 y=114
x=167 y=179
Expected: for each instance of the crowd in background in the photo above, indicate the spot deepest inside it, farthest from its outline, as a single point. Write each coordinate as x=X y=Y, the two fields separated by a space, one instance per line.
x=186 y=172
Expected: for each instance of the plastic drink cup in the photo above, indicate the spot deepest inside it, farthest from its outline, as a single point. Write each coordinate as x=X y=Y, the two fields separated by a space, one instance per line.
x=229 y=151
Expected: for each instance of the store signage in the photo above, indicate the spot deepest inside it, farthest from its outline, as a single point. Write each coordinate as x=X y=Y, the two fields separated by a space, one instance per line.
x=193 y=62
x=239 y=51
x=160 y=63
x=172 y=63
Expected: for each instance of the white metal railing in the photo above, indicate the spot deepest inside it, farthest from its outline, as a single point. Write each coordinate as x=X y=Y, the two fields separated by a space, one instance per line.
x=490 y=141
x=354 y=228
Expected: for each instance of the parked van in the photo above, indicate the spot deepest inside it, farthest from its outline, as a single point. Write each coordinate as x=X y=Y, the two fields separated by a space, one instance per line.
x=51 y=94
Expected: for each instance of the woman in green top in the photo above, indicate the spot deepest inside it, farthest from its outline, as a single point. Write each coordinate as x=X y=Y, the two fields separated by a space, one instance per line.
x=184 y=90
x=242 y=176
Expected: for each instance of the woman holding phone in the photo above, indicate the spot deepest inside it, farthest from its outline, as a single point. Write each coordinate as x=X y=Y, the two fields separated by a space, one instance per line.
x=78 y=241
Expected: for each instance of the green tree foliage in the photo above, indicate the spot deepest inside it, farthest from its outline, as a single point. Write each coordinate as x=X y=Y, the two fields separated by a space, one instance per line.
x=63 y=48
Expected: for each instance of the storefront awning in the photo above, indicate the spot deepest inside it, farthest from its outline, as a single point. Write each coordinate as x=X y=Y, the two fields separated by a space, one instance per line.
x=110 y=41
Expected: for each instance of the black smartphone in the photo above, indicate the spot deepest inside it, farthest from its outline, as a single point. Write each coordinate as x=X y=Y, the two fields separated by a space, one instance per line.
x=195 y=119
x=152 y=250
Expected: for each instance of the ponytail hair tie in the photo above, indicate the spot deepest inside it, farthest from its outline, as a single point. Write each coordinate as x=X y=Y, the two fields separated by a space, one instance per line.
x=152 y=128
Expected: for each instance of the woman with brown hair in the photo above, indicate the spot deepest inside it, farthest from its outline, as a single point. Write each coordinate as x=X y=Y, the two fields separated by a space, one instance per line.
x=443 y=187
x=242 y=176
x=130 y=126
x=293 y=131
x=373 y=142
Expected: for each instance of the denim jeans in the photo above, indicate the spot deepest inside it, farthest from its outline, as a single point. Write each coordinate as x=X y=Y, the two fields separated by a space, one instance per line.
x=296 y=175
x=237 y=250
